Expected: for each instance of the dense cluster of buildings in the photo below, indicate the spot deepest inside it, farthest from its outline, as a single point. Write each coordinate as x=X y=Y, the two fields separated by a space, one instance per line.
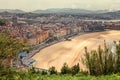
x=48 y=30
x=40 y=29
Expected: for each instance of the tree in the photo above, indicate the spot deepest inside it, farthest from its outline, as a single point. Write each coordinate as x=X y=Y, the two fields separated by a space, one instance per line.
x=44 y=73
x=103 y=61
x=117 y=57
x=52 y=70
x=3 y=22
x=65 y=69
x=9 y=48
x=75 y=69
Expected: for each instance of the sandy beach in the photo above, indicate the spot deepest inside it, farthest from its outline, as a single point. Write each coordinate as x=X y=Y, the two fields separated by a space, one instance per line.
x=72 y=51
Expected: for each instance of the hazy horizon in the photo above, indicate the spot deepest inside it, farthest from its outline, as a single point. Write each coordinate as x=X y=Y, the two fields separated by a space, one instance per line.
x=31 y=5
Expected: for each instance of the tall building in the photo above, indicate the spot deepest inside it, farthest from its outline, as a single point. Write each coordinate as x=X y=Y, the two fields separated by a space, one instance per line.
x=14 y=20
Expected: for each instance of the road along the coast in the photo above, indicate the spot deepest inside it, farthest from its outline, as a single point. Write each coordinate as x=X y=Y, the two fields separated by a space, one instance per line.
x=72 y=51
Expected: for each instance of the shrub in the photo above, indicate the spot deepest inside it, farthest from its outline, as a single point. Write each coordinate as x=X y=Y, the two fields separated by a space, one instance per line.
x=52 y=70
x=44 y=73
x=32 y=70
x=118 y=58
x=82 y=73
x=75 y=69
x=65 y=69
x=103 y=61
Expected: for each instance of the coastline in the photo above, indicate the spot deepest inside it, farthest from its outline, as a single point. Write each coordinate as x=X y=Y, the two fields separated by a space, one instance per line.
x=28 y=59
x=66 y=52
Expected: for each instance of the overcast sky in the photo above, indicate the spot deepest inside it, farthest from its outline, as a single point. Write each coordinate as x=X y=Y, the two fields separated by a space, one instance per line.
x=30 y=5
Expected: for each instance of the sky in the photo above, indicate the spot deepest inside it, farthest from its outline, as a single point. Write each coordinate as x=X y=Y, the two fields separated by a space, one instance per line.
x=31 y=5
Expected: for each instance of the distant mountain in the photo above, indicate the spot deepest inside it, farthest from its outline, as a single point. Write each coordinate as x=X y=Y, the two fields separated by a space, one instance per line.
x=11 y=11
x=57 y=10
x=114 y=12
x=98 y=14
x=64 y=10
x=69 y=10
x=101 y=11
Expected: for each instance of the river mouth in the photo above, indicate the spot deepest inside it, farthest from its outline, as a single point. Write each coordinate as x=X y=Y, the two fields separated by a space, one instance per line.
x=72 y=51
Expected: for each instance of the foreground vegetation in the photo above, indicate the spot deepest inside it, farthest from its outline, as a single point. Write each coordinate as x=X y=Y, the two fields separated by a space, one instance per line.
x=9 y=49
x=103 y=61
x=13 y=75
x=102 y=64
x=61 y=77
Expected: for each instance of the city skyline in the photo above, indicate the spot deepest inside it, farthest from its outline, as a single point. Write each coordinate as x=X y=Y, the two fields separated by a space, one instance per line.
x=31 y=5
